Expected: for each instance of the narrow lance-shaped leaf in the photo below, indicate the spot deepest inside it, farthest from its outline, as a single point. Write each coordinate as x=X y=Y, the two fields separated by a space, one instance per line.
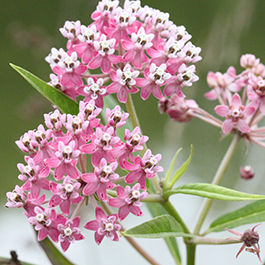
x=169 y=172
x=182 y=169
x=56 y=97
x=252 y=213
x=172 y=244
x=159 y=227
x=212 y=191
x=53 y=254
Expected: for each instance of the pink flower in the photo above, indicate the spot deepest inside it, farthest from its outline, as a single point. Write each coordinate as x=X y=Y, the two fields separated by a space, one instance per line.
x=223 y=85
x=69 y=70
x=69 y=90
x=71 y=30
x=134 y=142
x=235 y=115
x=124 y=25
x=143 y=168
x=34 y=179
x=250 y=239
x=65 y=194
x=69 y=232
x=54 y=57
x=256 y=92
x=105 y=55
x=128 y=200
x=170 y=50
x=93 y=90
x=86 y=49
x=185 y=77
x=18 y=198
x=104 y=226
x=88 y=110
x=65 y=161
x=46 y=222
x=31 y=203
x=140 y=42
x=124 y=83
x=102 y=146
x=101 y=179
x=103 y=14
x=153 y=81
x=115 y=117
x=249 y=61
x=54 y=121
x=27 y=144
x=177 y=107
x=191 y=53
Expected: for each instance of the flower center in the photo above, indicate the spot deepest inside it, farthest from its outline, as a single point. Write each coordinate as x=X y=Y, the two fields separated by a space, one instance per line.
x=174 y=48
x=29 y=171
x=39 y=135
x=187 y=75
x=77 y=123
x=135 y=194
x=68 y=231
x=69 y=188
x=106 y=137
x=109 y=227
x=236 y=113
x=142 y=40
x=14 y=196
x=40 y=217
x=67 y=152
x=69 y=63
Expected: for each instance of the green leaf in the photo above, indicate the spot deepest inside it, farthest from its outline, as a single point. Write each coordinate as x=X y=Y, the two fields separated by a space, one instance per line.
x=214 y=192
x=182 y=169
x=252 y=213
x=169 y=172
x=172 y=244
x=56 y=97
x=159 y=227
x=53 y=254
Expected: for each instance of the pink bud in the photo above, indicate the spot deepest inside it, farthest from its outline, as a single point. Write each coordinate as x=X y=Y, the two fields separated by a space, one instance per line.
x=248 y=61
x=247 y=172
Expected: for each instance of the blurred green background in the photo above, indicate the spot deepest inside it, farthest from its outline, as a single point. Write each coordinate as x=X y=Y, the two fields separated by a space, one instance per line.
x=223 y=29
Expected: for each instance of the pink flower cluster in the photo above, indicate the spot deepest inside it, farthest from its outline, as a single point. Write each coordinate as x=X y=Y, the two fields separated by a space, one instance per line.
x=56 y=164
x=136 y=48
x=242 y=113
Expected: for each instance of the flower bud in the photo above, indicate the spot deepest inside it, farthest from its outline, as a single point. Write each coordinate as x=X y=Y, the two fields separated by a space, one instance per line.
x=247 y=172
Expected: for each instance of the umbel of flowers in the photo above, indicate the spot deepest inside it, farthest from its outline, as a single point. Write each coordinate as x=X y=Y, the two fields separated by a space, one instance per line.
x=135 y=49
x=56 y=164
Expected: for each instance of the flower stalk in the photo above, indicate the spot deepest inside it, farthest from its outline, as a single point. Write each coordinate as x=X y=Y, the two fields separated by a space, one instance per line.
x=217 y=180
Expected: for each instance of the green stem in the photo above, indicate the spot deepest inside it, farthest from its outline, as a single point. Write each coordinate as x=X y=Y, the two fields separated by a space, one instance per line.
x=191 y=249
x=154 y=198
x=199 y=240
x=133 y=117
x=173 y=212
x=135 y=122
x=217 y=180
